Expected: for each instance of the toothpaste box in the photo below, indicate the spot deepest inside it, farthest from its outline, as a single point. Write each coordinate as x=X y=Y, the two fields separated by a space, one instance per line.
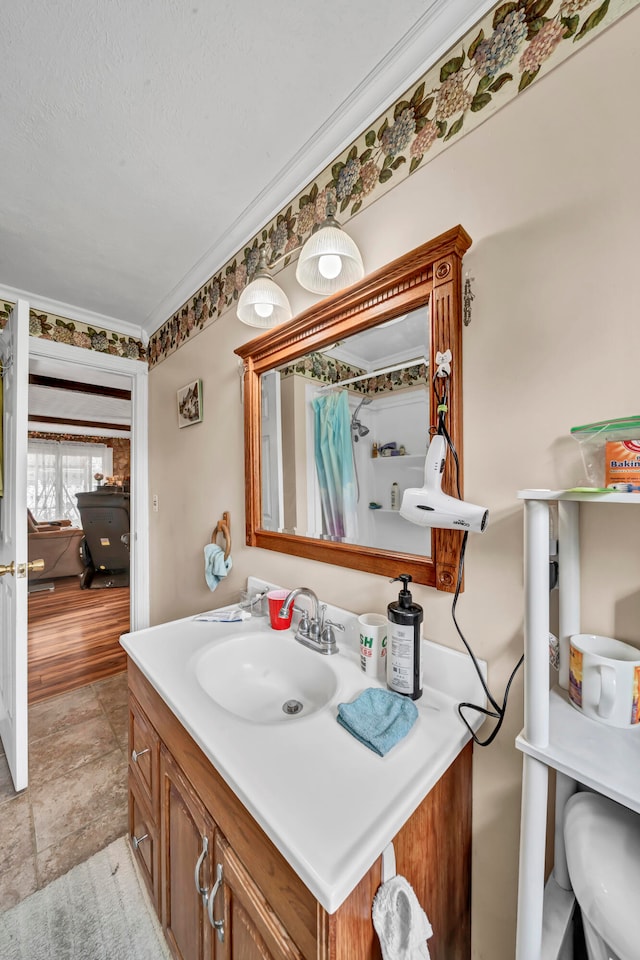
x=622 y=465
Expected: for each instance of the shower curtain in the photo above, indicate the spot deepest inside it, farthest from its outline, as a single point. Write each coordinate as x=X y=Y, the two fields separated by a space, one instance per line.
x=334 y=465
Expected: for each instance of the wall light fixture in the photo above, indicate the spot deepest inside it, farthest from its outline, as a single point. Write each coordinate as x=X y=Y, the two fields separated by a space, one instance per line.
x=263 y=303
x=330 y=259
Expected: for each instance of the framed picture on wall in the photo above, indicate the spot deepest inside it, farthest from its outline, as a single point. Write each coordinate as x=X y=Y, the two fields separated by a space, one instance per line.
x=190 y=404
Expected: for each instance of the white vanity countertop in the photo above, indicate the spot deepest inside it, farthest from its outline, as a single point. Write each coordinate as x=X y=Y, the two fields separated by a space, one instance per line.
x=328 y=803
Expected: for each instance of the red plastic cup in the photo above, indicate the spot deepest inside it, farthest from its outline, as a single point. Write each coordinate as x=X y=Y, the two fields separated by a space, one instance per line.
x=276 y=598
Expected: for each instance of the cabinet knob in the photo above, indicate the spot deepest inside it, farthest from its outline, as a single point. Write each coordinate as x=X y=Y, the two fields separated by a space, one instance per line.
x=138 y=753
x=218 y=925
x=136 y=841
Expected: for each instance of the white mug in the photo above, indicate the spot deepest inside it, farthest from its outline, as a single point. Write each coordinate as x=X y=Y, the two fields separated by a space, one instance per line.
x=604 y=679
x=373 y=629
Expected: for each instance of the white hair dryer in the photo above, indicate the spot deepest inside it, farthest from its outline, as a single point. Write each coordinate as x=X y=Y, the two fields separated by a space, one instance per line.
x=428 y=506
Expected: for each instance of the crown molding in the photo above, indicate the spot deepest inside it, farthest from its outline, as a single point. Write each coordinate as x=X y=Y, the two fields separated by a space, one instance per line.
x=437 y=30
x=70 y=312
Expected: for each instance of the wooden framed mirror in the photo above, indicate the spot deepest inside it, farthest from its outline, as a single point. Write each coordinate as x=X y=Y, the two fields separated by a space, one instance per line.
x=412 y=304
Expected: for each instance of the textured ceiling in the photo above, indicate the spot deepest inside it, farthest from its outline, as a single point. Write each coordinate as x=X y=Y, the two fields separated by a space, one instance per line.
x=372 y=349
x=70 y=404
x=50 y=402
x=141 y=139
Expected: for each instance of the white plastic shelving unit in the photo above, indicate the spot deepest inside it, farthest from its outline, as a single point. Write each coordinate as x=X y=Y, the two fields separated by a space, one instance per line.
x=555 y=734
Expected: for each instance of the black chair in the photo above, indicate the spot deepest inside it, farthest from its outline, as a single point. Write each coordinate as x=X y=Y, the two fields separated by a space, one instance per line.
x=105 y=521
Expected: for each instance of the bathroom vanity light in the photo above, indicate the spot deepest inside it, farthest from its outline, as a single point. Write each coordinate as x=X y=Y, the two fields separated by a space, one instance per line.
x=330 y=259
x=262 y=303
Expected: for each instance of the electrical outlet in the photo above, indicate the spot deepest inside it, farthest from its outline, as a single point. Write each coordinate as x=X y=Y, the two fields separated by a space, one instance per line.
x=156 y=503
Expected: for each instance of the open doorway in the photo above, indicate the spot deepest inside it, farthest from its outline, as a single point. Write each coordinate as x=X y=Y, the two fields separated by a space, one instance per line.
x=87 y=436
x=78 y=451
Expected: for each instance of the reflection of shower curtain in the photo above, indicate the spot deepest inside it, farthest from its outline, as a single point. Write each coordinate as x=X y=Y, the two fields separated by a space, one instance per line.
x=334 y=464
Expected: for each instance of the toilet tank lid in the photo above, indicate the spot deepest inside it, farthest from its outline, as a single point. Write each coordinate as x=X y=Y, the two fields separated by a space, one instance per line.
x=602 y=840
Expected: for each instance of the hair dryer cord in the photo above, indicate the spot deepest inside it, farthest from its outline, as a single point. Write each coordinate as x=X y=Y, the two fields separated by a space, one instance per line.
x=499 y=710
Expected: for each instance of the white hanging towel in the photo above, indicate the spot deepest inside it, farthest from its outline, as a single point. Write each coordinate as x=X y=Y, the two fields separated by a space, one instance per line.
x=401 y=924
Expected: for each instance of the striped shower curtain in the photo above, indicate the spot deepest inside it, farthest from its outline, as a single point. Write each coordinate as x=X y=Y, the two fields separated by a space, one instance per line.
x=334 y=465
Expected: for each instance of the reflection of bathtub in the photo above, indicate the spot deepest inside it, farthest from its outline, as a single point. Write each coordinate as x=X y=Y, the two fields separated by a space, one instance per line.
x=390 y=531
x=400 y=416
x=385 y=528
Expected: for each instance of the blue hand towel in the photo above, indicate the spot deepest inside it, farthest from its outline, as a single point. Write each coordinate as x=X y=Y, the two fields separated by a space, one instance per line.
x=378 y=718
x=215 y=565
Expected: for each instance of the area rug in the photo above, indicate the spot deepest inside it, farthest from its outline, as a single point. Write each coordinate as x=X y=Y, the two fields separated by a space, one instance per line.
x=100 y=910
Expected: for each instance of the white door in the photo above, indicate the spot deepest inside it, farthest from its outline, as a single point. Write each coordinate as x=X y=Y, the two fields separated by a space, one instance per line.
x=14 y=349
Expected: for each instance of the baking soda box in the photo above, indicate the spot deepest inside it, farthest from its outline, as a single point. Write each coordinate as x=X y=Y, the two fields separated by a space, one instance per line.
x=622 y=465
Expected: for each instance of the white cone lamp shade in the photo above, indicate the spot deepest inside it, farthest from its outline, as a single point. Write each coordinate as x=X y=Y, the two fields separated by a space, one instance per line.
x=262 y=303
x=329 y=260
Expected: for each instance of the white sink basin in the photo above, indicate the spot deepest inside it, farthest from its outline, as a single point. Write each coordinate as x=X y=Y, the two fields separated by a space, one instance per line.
x=266 y=677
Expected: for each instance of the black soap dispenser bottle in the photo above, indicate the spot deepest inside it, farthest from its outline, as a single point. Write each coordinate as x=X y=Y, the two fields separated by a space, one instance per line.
x=404 y=671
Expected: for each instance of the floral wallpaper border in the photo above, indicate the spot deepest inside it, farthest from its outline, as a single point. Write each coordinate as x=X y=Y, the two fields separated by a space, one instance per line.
x=49 y=326
x=507 y=51
x=320 y=368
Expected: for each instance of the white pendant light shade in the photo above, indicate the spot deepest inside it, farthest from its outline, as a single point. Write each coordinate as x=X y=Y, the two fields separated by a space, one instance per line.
x=262 y=303
x=330 y=259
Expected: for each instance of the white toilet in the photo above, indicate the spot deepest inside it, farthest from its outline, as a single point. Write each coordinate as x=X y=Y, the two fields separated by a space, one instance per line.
x=602 y=840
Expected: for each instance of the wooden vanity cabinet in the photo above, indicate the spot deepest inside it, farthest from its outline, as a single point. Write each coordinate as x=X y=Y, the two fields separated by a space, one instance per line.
x=199 y=827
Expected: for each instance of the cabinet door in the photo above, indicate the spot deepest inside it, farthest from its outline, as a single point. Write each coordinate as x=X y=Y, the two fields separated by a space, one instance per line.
x=144 y=748
x=251 y=930
x=187 y=846
x=144 y=841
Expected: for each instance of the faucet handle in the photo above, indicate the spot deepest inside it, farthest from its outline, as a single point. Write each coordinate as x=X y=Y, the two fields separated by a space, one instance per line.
x=328 y=637
x=315 y=627
x=304 y=624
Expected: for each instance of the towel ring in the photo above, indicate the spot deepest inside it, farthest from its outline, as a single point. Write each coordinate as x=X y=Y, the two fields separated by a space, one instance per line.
x=224 y=527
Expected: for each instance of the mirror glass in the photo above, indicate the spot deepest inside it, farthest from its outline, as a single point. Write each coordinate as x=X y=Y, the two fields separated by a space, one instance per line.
x=344 y=432
x=351 y=371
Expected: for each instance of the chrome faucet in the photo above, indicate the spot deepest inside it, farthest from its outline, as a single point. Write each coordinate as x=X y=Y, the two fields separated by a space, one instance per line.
x=312 y=627
x=314 y=632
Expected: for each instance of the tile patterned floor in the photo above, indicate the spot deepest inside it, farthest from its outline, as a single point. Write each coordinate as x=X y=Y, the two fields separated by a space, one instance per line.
x=76 y=801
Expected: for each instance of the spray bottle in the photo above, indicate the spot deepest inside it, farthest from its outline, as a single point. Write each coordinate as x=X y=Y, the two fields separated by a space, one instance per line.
x=404 y=673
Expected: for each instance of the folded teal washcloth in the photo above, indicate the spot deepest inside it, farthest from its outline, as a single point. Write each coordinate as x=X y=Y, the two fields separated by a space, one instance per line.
x=215 y=565
x=378 y=718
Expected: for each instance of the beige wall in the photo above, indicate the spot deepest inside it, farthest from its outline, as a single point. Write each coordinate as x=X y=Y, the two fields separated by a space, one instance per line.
x=549 y=191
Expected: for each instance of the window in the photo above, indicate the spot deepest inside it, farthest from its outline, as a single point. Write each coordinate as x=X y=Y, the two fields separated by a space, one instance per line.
x=57 y=471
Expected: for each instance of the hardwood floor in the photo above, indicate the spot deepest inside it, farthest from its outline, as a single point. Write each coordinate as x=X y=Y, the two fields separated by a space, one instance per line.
x=74 y=637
